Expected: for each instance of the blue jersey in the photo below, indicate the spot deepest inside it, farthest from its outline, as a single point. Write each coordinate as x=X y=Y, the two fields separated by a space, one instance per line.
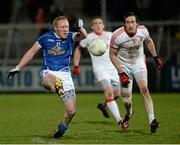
x=57 y=53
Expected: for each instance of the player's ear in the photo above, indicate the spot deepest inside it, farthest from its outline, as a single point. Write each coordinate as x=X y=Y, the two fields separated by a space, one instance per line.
x=104 y=26
x=55 y=28
x=92 y=27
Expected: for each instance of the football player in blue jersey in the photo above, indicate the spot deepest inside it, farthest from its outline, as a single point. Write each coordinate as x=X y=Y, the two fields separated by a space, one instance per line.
x=57 y=47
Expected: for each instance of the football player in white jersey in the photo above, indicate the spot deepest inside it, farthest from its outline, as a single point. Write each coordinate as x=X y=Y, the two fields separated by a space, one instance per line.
x=105 y=72
x=127 y=55
x=57 y=49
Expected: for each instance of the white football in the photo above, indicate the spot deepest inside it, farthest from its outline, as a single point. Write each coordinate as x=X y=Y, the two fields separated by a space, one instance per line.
x=97 y=47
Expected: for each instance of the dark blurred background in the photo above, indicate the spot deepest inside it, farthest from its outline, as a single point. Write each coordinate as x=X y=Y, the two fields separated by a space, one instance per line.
x=146 y=9
x=22 y=21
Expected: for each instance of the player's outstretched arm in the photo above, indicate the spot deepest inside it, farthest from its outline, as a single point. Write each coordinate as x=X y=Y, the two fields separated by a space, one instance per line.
x=25 y=59
x=12 y=72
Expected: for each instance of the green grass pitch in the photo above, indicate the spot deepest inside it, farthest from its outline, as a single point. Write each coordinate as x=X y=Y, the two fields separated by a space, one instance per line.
x=30 y=118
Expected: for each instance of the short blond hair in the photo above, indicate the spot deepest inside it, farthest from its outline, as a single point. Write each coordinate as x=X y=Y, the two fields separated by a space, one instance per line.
x=57 y=19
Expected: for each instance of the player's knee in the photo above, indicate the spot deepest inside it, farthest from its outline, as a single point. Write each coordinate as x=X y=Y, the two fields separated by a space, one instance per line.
x=144 y=90
x=69 y=95
x=117 y=94
x=127 y=100
x=109 y=94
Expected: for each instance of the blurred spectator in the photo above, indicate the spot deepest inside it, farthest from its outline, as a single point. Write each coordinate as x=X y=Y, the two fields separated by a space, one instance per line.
x=34 y=5
x=41 y=18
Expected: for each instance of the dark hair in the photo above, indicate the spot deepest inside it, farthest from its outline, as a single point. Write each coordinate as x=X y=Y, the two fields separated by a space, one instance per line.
x=128 y=15
x=96 y=17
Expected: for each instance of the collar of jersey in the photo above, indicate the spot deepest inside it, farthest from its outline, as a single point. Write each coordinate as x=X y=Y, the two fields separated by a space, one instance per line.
x=59 y=37
x=56 y=35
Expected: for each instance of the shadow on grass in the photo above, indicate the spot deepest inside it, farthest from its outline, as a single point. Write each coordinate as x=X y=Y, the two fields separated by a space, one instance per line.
x=144 y=132
x=90 y=136
x=134 y=131
x=99 y=122
x=94 y=122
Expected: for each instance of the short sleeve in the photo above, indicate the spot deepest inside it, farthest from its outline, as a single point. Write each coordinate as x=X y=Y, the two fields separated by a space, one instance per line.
x=144 y=30
x=113 y=42
x=41 y=40
x=84 y=43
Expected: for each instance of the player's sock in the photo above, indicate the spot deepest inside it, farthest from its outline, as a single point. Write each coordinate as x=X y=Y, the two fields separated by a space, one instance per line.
x=151 y=117
x=113 y=107
x=60 y=131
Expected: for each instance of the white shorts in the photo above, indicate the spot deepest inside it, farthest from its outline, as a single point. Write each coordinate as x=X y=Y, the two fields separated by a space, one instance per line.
x=64 y=76
x=114 y=84
x=138 y=71
x=105 y=74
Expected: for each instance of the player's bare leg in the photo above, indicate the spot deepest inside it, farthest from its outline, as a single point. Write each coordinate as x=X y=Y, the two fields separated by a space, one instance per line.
x=48 y=82
x=154 y=124
x=55 y=85
x=127 y=99
x=70 y=110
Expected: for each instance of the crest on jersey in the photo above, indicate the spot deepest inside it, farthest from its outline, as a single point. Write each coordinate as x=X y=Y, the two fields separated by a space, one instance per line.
x=56 y=50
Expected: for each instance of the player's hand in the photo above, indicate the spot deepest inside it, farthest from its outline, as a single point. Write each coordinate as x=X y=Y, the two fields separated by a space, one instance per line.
x=124 y=78
x=158 y=62
x=80 y=23
x=76 y=70
x=12 y=72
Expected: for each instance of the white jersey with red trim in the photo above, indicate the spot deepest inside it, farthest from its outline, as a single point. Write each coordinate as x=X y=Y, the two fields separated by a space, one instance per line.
x=103 y=62
x=130 y=48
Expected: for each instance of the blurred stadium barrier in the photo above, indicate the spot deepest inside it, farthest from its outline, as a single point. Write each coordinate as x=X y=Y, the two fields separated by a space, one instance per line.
x=28 y=80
